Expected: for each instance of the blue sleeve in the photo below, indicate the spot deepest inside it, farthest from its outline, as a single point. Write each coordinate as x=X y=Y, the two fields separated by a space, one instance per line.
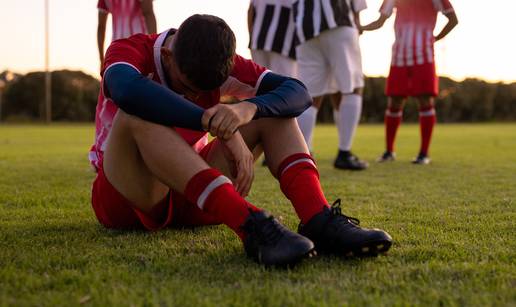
x=280 y=96
x=142 y=97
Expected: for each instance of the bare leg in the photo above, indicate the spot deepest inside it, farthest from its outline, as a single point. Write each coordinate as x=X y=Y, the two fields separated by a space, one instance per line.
x=143 y=160
x=279 y=138
x=427 y=121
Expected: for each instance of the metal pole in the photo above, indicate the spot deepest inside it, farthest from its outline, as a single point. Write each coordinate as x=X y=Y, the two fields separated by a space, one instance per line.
x=48 y=80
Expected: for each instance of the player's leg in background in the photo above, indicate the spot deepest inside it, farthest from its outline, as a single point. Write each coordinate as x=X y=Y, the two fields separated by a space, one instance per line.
x=347 y=114
x=427 y=119
x=314 y=72
x=392 y=120
x=343 y=53
x=307 y=121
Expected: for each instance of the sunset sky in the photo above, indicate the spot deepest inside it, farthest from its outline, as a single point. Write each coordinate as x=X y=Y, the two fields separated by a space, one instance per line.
x=482 y=46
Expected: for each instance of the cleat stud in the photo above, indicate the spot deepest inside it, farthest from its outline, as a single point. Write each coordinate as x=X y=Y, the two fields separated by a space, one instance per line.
x=365 y=249
x=380 y=246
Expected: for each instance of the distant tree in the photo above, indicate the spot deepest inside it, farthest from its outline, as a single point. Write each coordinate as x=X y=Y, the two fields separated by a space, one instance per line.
x=74 y=96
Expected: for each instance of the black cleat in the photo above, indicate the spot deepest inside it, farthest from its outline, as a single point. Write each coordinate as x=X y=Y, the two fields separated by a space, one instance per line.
x=335 y=233
x=347 y=160
x=272 y=244
x=387 y=156
x=421 y=159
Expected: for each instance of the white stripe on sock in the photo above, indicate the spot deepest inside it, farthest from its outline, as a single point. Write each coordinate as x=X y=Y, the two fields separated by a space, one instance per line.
x=394 y=114
x=297 y=162
x=430 y=112
x=217 y=182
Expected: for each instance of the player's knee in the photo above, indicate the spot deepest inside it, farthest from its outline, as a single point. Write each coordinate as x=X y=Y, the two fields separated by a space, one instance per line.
x=425 y=102
x=396 y=102
x=129 y=122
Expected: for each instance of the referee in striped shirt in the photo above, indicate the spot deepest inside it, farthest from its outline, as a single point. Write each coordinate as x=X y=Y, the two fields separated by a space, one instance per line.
x=272 y=35
x=329 y=62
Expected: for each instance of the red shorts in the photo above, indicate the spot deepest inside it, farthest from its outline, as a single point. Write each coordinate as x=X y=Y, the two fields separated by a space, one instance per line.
x=417 y=80
x=113 y=210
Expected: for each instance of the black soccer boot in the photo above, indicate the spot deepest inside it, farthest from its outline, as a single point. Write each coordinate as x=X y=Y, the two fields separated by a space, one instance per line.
x=421 y=159
x=347 y=160
x=387 y=156
x=335 y=233
x=272 y=244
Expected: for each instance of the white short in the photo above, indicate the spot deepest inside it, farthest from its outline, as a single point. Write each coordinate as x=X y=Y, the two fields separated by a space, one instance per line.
x=276 y=62
x=331 y=62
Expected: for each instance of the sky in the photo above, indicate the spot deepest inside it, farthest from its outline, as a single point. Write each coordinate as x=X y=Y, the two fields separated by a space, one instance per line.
x=482 y=46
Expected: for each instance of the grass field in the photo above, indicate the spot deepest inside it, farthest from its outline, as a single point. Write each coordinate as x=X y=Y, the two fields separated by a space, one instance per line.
x=453 y=223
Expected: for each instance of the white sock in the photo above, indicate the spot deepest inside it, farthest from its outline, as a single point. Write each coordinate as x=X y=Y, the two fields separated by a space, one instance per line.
x=349 y=115
x=306 y=122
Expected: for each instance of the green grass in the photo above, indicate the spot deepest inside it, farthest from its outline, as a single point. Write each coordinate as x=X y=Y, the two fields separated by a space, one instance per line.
x=453 y=223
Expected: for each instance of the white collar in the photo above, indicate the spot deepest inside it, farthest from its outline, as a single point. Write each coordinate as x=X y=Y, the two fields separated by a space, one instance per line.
x=157 y=56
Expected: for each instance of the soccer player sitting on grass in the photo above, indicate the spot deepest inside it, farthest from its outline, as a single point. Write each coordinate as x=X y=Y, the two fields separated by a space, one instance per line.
x=159 y=98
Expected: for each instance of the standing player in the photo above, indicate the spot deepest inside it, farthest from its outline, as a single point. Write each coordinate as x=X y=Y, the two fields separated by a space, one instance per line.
x=155 y=168
x=412 y=71
x=272 y=35
x=330 y=62
x=129 y=17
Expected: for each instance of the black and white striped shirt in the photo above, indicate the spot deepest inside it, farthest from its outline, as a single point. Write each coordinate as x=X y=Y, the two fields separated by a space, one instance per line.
x=273 y=27
x=312 y=17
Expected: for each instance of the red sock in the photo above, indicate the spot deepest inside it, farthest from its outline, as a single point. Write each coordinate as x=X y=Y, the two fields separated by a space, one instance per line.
x=392 y=122
x=215 y=194
x=299 y=181
x=427 y=121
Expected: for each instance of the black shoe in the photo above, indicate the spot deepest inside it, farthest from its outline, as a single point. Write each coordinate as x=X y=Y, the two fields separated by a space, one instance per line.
x=347 y=160
x=335 y=233
x=264 y=163
x=272 y=244
x=387 y=156
x=421 y=159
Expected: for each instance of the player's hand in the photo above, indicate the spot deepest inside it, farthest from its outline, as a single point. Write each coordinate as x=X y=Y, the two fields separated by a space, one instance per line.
x=242 y=159
x=223 y=120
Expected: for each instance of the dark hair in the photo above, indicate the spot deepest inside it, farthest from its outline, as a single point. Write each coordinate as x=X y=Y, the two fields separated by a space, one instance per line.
x=204 y=48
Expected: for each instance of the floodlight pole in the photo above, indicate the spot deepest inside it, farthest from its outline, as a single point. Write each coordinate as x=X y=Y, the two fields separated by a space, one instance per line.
x=48 y=80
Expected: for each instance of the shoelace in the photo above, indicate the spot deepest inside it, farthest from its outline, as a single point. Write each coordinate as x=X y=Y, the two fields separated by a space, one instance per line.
x=268 y=231
x=336 y=210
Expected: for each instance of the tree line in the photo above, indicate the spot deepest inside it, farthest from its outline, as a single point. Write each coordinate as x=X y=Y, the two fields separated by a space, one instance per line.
x=74 y=97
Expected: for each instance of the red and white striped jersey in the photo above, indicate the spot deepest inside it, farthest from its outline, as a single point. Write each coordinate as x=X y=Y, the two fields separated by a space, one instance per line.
x=143 y=53
x=414 y=27
x=126 y=15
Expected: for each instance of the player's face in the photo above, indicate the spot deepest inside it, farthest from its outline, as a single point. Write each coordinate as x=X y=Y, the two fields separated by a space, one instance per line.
x=178 y=81
x=182 y=85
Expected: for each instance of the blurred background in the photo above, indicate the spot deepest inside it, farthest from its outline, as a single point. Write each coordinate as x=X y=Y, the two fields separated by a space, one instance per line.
x=476 y=62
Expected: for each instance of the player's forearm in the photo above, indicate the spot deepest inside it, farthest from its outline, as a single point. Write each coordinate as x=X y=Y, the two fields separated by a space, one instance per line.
x=279 y=96
x=452 y=23
x=150 y=22
x=250 y=19
x=375 y=25
x=142 y=97
x=101 y=35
